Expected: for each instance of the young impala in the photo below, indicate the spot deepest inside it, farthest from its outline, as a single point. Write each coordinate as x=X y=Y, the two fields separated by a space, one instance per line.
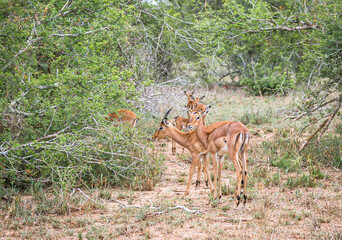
x=191 y=104
x=199 y=107
x=231 y=138
x=181 y=123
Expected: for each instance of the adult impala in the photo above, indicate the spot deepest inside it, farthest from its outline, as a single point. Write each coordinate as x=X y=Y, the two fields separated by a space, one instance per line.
x=123 y=115
x=190 y=141
x=231 y=138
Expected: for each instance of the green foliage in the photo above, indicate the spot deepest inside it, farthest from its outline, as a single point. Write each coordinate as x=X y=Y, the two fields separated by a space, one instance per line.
x=301 y=181
x=256 y=117
x=63 y=67
x=268 y=84
x=327 y=153
x=82 y=158
x=285 y=154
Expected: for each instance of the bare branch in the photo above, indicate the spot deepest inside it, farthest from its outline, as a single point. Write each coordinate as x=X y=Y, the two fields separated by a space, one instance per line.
x=75 y=35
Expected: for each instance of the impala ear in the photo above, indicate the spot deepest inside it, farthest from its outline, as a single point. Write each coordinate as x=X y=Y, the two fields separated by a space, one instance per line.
x=166 y=122
x=202 y=97
x=190 y=110
x=206 y=110
x=193 y=99
x=185 y=92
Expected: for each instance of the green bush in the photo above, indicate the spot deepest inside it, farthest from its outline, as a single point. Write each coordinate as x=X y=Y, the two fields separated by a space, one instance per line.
x=284 y=153
x=103 y=156
x=256 y=117
x=267 y=85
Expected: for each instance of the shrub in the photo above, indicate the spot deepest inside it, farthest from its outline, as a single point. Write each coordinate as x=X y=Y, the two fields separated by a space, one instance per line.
x=267 y=85
x=95 y=157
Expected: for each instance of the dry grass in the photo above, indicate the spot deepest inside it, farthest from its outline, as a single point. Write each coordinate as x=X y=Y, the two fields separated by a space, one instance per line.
x=278 y=208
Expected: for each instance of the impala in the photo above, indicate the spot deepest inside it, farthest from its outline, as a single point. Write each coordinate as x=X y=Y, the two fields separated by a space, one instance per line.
x=231 y=138
x=181 y=123
x=123 y=115
x=199 y=107
x=191 y=104
x=190 y=141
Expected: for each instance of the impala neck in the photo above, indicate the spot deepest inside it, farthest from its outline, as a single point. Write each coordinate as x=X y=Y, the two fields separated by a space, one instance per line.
x=180 y=137
x=201 y=133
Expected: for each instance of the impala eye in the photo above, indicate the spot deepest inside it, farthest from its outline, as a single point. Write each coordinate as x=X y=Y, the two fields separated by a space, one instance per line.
x=197 y=118
x=161 y=128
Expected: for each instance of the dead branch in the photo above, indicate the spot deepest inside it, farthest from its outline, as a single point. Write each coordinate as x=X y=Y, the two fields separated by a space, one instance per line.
x=307 y=125
x=324 y=126
x=186 y=209
x=314 y=134
x=295 y=118
x=329 y=121
x=123 y=205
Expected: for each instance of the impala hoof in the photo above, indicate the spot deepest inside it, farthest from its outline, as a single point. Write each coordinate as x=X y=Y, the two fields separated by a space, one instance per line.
x=244 y=199
x=185 y=194
x=198 y=182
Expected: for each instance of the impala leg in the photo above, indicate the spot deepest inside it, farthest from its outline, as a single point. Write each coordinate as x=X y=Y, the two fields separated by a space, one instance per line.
x=214 y=159
x=241 y=166
x=244 y=162
x=238 y=169
x=220 y=175
x=199 y=170
x=207 y=171
x=191 y=173
x=205 y=174
x=173 y=146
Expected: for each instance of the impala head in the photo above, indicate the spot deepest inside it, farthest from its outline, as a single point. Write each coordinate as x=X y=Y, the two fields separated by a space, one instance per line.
x=196 y=117
x=189 y=94
x=197 y=100
x=161 y=132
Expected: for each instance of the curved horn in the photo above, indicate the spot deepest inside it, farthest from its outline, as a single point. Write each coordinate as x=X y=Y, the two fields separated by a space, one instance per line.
x=192 y=92
x=167 y=113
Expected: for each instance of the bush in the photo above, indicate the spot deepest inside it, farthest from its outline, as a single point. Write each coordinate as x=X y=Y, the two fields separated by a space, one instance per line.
x=256 y=117
x=266 y=85
x=102 y=156
x=285 y=155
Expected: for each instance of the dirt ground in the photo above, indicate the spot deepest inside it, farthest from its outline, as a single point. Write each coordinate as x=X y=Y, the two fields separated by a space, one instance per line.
x=274 y=212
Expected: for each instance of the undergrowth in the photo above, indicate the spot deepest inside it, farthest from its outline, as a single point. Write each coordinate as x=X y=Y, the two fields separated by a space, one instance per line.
x=284 y=153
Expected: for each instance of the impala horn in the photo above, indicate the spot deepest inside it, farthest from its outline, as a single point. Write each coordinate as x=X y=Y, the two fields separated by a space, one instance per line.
x=167 y=113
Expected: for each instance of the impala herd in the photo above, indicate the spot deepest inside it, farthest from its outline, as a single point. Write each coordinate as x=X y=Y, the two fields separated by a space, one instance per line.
x=215 y=140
